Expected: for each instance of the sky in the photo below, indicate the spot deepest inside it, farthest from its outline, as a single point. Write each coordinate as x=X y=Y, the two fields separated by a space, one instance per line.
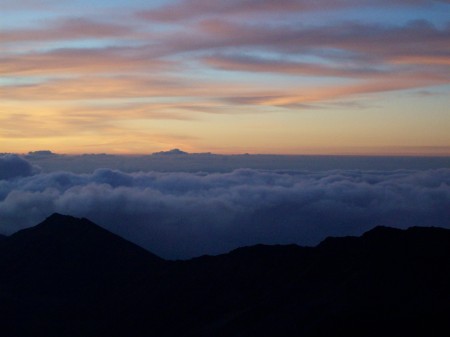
x=282 y=77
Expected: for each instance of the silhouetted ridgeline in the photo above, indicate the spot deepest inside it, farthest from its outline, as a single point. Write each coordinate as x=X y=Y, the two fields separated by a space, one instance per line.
x=69 y=277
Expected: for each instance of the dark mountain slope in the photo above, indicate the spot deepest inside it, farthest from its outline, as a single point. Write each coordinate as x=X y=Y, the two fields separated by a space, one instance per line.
x=69 y=277
x=66 y=268
x=387 y=283
x=76 y=250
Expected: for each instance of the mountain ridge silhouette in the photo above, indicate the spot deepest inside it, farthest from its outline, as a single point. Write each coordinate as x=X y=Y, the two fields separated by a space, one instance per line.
x=69 y=277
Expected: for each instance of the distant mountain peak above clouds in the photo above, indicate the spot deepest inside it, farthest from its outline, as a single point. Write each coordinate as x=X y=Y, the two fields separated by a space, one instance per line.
x=171 y=152
x=41 y=153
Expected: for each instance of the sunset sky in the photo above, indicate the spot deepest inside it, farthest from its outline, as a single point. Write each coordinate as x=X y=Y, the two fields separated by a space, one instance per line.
x=274 y=76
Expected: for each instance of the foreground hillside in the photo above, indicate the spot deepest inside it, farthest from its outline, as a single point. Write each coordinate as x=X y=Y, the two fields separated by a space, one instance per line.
x=69 y=277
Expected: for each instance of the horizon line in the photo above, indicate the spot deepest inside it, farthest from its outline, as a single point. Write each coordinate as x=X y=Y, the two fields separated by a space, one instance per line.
x=395 y=152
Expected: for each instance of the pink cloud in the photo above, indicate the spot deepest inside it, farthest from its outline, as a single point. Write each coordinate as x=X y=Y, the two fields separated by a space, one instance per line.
x=75 y=28
x=80 y=61
x=301 y=97
x=256 y=64
x=338 y=43
x=189 y=9
x=197 y=9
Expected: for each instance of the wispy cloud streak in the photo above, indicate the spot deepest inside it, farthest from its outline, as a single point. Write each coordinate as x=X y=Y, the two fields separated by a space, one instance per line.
x=67 y=29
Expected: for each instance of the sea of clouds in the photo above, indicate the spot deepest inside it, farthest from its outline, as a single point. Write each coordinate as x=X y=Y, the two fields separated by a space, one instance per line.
x=186 y=214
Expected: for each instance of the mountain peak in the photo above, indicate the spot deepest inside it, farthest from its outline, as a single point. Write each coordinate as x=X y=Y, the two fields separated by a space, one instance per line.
x=59 y=225
x=62 y=218
x=59 y=216
x=170 y=152
x=68 y=236
x=382 y=231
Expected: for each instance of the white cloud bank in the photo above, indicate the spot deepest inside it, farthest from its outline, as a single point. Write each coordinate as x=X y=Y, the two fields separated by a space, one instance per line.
x=180 y=215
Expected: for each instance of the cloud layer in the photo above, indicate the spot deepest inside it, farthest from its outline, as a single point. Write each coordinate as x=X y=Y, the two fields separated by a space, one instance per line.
x=180 y=215
x=13 y=166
